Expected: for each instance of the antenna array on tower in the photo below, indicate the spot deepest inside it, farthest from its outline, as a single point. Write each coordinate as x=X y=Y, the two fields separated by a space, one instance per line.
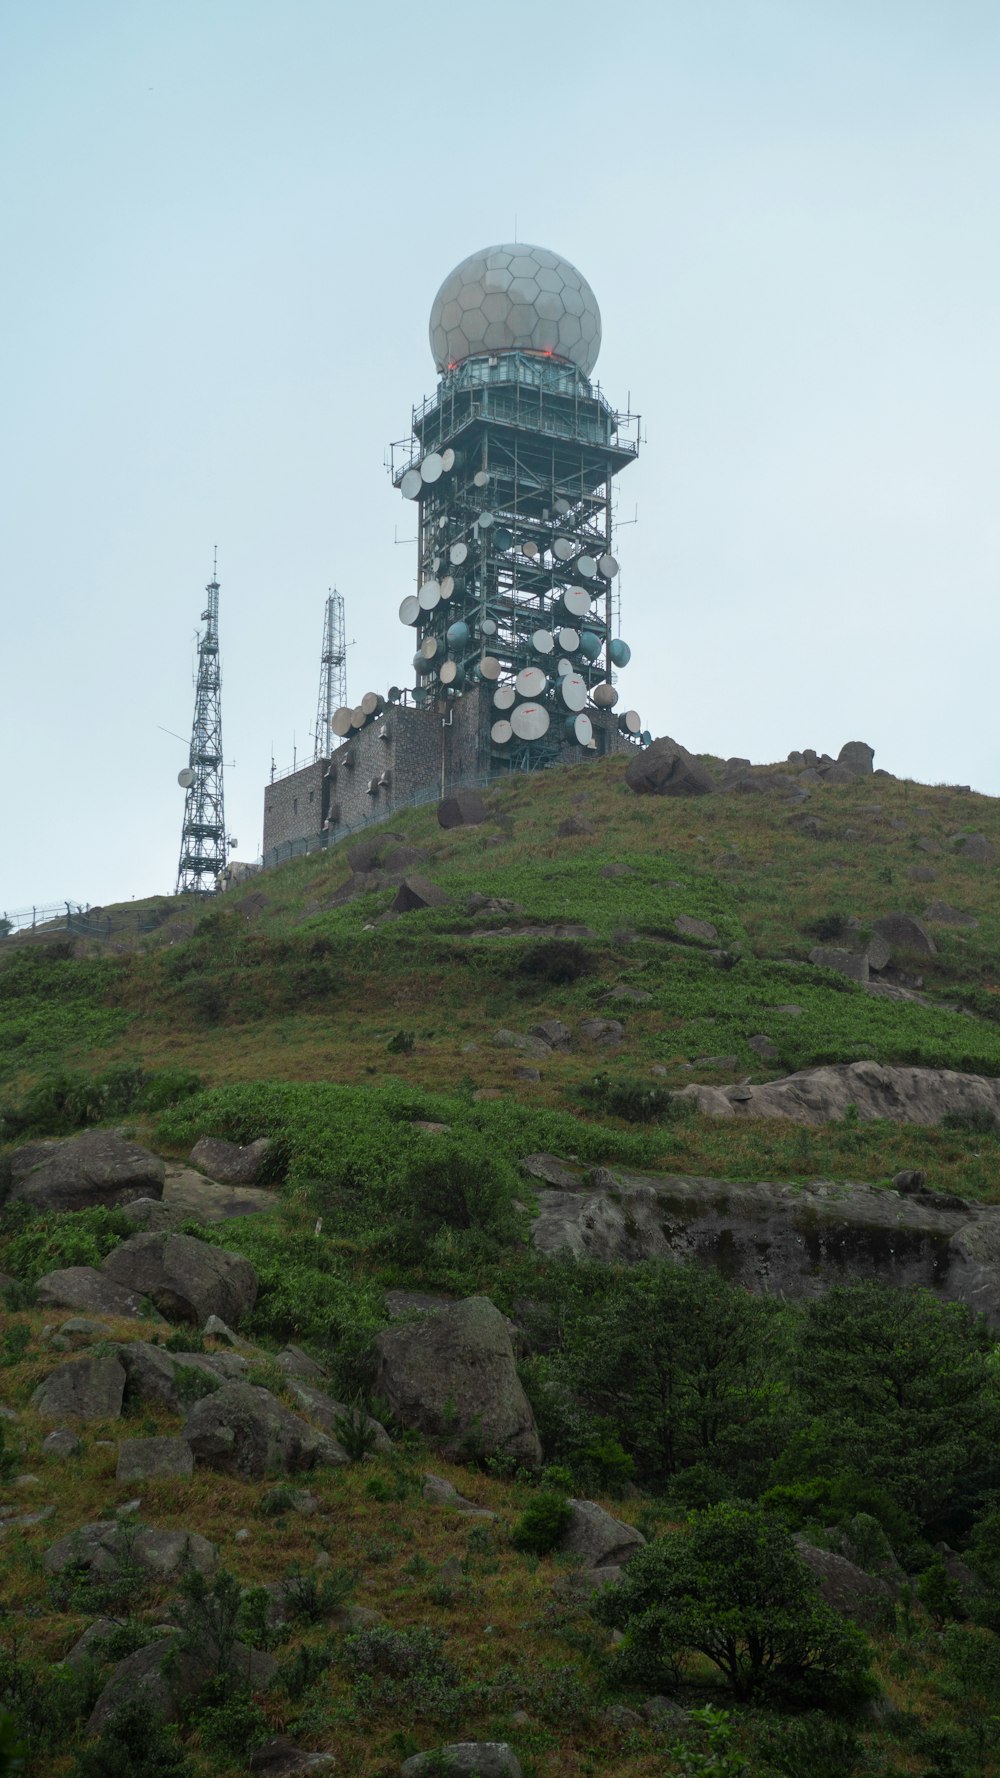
x=332 y=673
x=203 y=835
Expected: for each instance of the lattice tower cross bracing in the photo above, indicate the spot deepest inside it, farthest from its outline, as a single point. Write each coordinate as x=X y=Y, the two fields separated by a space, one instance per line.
x=332 y=674
x=203 y=835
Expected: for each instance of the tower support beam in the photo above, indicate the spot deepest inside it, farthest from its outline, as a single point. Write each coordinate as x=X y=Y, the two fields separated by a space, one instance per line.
x=203 y=833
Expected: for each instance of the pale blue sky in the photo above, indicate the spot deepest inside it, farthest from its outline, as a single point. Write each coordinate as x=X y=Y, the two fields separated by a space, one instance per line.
x=223 y=226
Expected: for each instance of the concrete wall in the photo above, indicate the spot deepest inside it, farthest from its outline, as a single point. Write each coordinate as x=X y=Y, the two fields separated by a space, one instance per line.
x=295 y=806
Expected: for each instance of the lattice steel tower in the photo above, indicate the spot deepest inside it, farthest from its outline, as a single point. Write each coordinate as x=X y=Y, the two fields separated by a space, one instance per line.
x=332 y=673
x=203 y=835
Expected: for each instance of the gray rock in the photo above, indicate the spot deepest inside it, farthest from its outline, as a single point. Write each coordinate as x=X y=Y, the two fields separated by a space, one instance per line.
x=62 y=1443
x=553 y=1033
x=976 y=848
x=921 y=873
x=862 y=1597
x=325 y=1411
x=902 y=932
x=763 y=1047
x=944 y=915
x=527 y=1073
x=466 y=1759
x=280 y=1758
x=464 y=808
x=686 y=926
x=725 y=1064
x=152 y=1216
x=84 y=1328
x=574 y=828
x=84 y=1287
x=442 y=1493
x=665 y=768
x=580 y=1585
x=599 y=1539
x=163 y=1685
x=416 y=892
x=452 y=1376
x=147 y=1459
x=107 y=1546
x=503 y=1039
x=635 y=996
x=243 y=1430
x=296 y=1363
x=608 y=1032
x=151 y=1376
x=858 y=758
x=185 y=1278
x=89 y=1646
x=849 y=963
x=95 y=1167
x=88 y=1388
x=550 y=1168
x=878 y=951
x=217 y=1329
x=617 y=870
x=229 y=1164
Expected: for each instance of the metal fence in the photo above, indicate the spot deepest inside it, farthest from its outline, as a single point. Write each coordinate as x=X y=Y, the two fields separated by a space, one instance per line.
x=82 y=922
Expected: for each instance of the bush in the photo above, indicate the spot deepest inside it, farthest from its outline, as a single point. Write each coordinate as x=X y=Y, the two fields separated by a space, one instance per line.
x=732 y=1587
x=635 y=1101
x=134 y=1740
x=556 y=962
x=63 y=1101
x=542 y=1524
x=48 y=1241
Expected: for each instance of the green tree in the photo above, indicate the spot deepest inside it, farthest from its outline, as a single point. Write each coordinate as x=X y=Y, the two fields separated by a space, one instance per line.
x=688 y=1368
x=732 y=1587
x=902 y=1392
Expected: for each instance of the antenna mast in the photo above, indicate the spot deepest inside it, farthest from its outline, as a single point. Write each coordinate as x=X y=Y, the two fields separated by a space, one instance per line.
x=332 y=672
x=203 y=835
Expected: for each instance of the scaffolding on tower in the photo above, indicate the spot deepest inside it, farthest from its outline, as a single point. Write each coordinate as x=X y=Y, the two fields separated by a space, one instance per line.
x=203 y=834
x=332 y=673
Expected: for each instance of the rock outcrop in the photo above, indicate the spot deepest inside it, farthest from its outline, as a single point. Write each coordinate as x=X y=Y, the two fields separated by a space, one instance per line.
x=96 y=1167
x=452 y=1376
x=186 y=1279
x=819 y=1095
x=229 y=1164
x=665 y=768
x=245 y=1431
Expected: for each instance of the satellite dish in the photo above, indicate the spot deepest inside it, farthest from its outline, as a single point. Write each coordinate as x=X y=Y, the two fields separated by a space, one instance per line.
x=530 y=549
x=447 y=586
x=576 y=601
x=583 y=729
x=429 y=647
x=563 y=549
x=429 y=595
x=411 y=484
x=530 y=682
x=563 y=667
x=457 y=554
x=586 y=567
x=342 y=721
x=371 y=703
x=435 y=564
x=502 y=539
x=489 y=668
x=185 y=778
x=442 y=521
x=604 y=696
x=607 y=566
x=458 y=635
x=448 y=460
x=480 y=479
x=452 y=673
x=590 y=644
x=562 y=506
x=543 y=642
x=357 y=717
x=431 y=468
x=630 y=722
x=485 y=520
x=505 y=697
x=501 y=733
x=573 y=691
x=568 y=640
x=488 y=627
x=529 y=721
x=620 y=652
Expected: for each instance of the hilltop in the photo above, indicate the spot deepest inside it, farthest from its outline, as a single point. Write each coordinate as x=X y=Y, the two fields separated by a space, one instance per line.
x=468 y=1055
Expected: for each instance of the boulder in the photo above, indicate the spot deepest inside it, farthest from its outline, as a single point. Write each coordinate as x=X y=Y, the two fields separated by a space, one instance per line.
x=579 y=1586
x=574 y=828
x=465 y=1759
x=878 y=951
x=976 y=847
x=367 y=855
x=943 y=914
x=185 y=1278
x=296 y=1363
x=148 y=1459
x=244 y=1430
x=844 y=962
x=665 y=768
x=229 y=1164
x=84 y=1287
x=150 y=1215
x=464 y=808
x=96 y=1167
x=150 y=1376
x=163 y=1685
x=62 y=1443
x=326 y=1412
x=902 y=932
x=600 y=1540
x=553 y=1033
x=551 y=1169
x=88 y=1388
x=762 y=1047
x=88 y=1647
x=608 y=1032
x=516 y=1040
x=921 y=873
x=452 y=1376
x=858 y=757
x=108 y=1546
x=416 y=892
x=866 y=1600
x=280 y=1758
x=686 y=926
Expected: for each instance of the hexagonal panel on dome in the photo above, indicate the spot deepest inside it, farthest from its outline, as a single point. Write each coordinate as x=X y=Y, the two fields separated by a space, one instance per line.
x=515 y=298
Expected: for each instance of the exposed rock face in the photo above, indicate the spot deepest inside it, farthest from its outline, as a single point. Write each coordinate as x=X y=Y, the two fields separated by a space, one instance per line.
x=976 y=846
x=96 y=1167
x=84 y=1287
x=902 y=932
x=84 y=1389
x=163 y=1685
x=850 y=963
x=600 y=1539
x=244 y=1430
x=230 y=1164
x=452 y=1375
x=793 y=1241
x=185 y=1278
x=818 y=1095
x=665 y=768
x=687 y=926
x=465 y=808
x=574 y=828
x=102 y=1548
x=145 y=1459
x=466 y=1759
x=942 y=914
x=416 y=892
x=326 y=1412
x=858 y=757
x=861 y=1597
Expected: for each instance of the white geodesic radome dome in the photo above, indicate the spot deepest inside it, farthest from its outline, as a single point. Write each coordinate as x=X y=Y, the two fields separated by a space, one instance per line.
x=515 y=299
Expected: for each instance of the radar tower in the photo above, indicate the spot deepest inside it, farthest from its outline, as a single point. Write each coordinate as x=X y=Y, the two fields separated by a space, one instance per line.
x=203 y=834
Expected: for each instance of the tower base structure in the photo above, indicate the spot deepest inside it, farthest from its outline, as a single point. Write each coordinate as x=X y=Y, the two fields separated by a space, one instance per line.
x=406 y=755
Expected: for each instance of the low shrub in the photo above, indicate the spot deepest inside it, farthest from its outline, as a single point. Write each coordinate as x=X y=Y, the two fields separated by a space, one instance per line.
x=542 y=1524
x=36 y=1243
x=556 y=962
